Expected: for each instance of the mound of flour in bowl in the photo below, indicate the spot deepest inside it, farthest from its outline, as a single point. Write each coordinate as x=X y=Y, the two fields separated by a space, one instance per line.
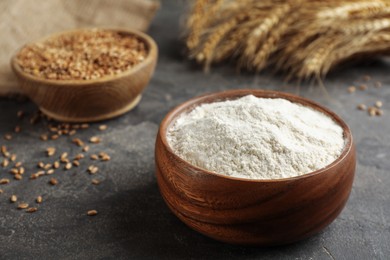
x=256 y=138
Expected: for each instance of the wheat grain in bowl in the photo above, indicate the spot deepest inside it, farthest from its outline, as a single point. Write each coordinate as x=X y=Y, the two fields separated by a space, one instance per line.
x=252 y=211
x=83 y=55
x=86 y=75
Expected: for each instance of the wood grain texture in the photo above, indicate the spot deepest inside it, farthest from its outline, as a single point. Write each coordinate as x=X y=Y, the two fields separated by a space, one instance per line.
x=91 y=100
x=253 y=212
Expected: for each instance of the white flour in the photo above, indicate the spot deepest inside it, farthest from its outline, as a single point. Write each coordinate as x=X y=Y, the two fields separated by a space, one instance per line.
x=256 y=138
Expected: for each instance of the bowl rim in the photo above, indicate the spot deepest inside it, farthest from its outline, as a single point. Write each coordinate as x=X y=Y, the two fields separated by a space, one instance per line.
x=236 y=93
x=151 y=55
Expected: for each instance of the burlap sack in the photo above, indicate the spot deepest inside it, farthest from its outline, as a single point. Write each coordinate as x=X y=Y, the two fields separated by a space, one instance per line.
x=22 y=21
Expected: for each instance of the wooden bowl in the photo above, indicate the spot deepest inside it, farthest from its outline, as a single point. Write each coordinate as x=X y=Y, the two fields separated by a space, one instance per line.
x=253 y=212
x=90 y=100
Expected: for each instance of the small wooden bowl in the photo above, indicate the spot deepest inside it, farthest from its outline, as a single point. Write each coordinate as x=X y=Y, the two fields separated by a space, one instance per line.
x=90 y=100
x=253 y=212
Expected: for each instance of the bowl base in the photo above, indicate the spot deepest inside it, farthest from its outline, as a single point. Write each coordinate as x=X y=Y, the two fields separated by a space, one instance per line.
x=116 y=113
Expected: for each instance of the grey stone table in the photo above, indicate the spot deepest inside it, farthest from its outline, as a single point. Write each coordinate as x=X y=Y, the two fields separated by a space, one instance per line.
x=133 y=221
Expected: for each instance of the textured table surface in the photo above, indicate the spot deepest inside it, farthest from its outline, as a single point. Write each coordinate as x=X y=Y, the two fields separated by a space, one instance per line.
x=133 y=221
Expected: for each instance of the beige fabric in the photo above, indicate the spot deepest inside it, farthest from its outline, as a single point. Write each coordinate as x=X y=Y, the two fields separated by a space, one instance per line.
x=22 y=21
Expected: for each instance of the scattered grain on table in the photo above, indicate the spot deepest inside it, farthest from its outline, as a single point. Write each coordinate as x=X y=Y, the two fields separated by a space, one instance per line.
x=371 y=111
x=366 y=77
x=31 y=210
x=352 y=89
x=93 y=169
x=4 y=163
x=378 y=84
x=78 y=142
x=53 y=181
x=18 y=164
x=13 y=198
x=23 y=205
x=76 y=163
x=41 y=165
x=17 y=129
x=50 y=151
x=68 y=166
x=378 y=104
x=102 y=127
x=20 y=114
x=95 y=181
x=92 y=212
x=54 y=137
x=4 y=181
x=39 y=199
x=13 y=157
x=13 y=171
x=363 y=87
x=56 y=165
x=49 y=166
x=79 y=156
x=63 y=156
x=95 y=140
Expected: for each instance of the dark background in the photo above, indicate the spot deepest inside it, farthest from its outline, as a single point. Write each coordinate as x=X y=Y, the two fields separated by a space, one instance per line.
x=133 y=221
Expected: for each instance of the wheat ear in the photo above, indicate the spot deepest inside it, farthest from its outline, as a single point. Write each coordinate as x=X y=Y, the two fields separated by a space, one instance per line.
x=362 y=27
x=270 y=45
x=350 y=10
x=266 y=25
x=202 y=12
x=205 y=56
